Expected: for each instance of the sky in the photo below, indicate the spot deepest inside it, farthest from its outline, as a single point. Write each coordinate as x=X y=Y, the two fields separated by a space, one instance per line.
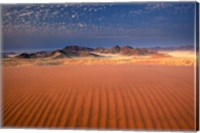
x=51 y=26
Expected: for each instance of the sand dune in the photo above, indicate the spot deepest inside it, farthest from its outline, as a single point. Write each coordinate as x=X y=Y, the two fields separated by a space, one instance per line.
x=125 y=96
x=183 y=54
x=110 y=59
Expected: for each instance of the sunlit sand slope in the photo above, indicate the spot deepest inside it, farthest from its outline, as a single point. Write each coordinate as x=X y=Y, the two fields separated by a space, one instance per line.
x=138 y=97
x=169 y=59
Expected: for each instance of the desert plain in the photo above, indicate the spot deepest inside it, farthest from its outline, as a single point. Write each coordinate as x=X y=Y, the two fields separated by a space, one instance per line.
x=126 y=93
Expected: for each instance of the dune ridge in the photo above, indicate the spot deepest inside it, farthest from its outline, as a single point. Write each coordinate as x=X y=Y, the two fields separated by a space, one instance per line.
x=139 y=97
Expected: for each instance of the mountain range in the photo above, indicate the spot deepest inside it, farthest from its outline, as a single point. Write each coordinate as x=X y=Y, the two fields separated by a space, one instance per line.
x=180 y=48
x=78 y=51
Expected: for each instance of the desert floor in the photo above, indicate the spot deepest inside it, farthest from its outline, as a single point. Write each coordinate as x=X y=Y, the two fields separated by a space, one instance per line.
x=154 y=97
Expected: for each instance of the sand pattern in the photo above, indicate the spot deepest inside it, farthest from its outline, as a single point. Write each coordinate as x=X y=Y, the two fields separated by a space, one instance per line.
x=139 y=97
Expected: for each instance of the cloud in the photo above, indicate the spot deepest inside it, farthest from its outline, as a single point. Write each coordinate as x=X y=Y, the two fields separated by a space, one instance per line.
x=136 y=12
x=183 y=8
x=54 y=13
x=76 y=19
x=25 y=14
x=155 y=6
x=8 y=14
x=81 y=25
x=73 y=16
x=173 y=8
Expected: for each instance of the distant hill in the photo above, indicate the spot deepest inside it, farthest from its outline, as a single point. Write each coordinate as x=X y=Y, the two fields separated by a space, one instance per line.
x=77 y=51
x=66 y=52
x=125 y=50
x=180 y=48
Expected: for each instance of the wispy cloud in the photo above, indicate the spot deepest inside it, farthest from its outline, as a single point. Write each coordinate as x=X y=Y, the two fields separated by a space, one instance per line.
x=25 y=13
x=158 y=6
x=97 y=20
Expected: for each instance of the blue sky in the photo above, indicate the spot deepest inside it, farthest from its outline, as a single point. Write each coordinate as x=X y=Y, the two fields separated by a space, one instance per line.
x=50 y=26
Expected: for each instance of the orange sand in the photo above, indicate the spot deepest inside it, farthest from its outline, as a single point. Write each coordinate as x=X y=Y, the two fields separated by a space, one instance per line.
x=138 y=97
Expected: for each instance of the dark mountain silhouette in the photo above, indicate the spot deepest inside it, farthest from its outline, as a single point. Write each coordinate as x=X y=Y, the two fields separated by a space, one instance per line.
x=67 y=52
x=125 y=50
x=75 y=48
x=26 y=55
x=115 y=49
x=77 y=51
